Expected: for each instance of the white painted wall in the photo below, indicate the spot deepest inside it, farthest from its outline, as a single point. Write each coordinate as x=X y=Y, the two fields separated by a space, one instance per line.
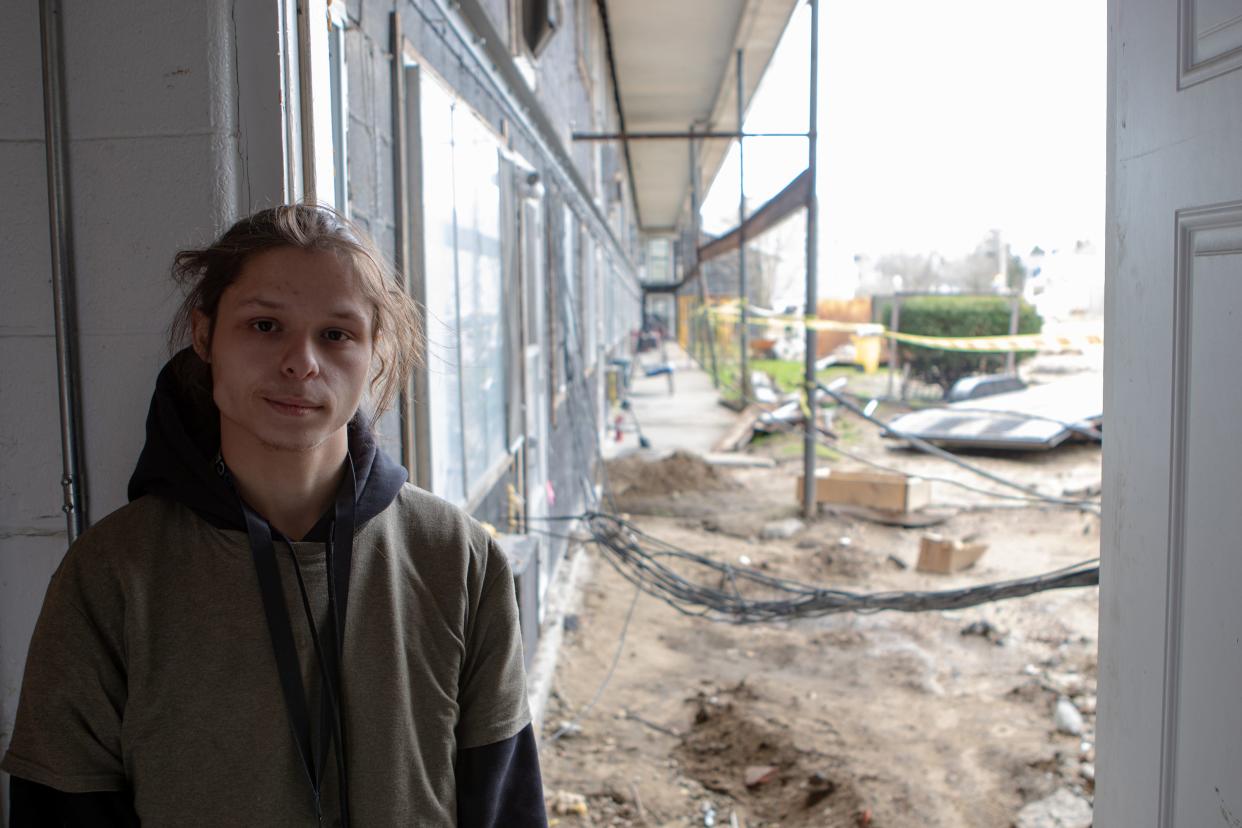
x=31 y=523
x=174 y=118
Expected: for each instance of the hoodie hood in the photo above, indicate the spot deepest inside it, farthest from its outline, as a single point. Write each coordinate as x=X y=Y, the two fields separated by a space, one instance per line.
x=179 y=458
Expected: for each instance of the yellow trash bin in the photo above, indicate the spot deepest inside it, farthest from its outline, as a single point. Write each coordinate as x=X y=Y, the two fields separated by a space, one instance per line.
x=867 y=352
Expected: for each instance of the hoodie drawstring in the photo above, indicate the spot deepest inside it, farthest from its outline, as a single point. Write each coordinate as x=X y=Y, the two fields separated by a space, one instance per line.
x=328 y=650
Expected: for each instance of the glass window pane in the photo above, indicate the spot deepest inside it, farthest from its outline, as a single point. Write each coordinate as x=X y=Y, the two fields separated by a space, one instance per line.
x=476 y=166
x=443 y=362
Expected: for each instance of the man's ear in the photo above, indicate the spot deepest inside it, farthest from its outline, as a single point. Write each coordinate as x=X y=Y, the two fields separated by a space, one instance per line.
x=200 y=334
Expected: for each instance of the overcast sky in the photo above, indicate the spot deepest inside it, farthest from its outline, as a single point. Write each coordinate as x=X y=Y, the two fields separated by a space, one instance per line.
x=938 y=122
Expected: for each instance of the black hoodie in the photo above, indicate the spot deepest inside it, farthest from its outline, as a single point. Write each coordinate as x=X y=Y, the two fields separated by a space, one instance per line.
x=183 y=444
x=497 y=784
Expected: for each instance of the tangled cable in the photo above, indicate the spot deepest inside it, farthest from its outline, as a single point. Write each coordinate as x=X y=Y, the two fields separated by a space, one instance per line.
x=715 y=589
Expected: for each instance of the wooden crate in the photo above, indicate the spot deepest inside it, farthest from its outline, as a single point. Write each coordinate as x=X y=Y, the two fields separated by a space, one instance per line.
x=872 y=489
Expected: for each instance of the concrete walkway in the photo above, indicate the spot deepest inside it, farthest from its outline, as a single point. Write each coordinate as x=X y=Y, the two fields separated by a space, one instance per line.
x=690 y=418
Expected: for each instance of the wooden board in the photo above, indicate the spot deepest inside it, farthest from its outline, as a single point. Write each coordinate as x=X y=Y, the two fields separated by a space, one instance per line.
x=943 y=555
x=872 y=489
x=741 y=431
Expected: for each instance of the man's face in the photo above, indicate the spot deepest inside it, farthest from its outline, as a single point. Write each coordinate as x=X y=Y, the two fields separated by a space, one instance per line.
x=291 y=352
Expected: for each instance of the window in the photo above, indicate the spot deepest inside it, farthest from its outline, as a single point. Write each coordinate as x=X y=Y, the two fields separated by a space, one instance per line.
x=340 y=108
x=568 y=336
x=587 y=43
x=322 y=110
x=541 y=19
x=440 y=257
x=659 y=260
x=588 y=317
x=467 y=382
x=480 y=295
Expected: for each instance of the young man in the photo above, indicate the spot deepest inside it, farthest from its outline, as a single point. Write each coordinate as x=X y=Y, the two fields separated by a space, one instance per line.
x=278 y=630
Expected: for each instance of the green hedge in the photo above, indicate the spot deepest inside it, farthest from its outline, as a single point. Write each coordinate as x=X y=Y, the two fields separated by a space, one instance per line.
x=957 y=316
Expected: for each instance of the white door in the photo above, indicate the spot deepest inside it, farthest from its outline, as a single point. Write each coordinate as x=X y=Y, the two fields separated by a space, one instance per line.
x=1170 y=708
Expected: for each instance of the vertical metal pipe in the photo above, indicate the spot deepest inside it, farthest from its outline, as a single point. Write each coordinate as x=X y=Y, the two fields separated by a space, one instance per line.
x=696 y=231
x=810 y=435
x=62 y=268
x=306 y=105
x=416 y=271
x=401 y=212
x=743 y=292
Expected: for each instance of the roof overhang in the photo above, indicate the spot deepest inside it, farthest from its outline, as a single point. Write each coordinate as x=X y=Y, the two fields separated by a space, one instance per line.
x=676 y=69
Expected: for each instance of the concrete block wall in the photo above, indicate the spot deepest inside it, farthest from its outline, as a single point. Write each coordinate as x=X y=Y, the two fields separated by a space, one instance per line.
x=170 y=136
x=32 y=526
x=369 y=148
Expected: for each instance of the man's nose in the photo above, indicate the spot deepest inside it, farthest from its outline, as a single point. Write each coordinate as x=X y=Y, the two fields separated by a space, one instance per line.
x=299 y=360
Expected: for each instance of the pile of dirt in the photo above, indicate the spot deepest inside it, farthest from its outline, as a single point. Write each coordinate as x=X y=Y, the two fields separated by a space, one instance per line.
x=640 y=476
x=731 y=751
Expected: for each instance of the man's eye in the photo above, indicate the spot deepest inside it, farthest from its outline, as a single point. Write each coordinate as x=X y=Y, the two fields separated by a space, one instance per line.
x=264 y=325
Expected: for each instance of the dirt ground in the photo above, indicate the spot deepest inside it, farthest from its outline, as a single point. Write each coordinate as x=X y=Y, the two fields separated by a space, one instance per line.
x=891 y=719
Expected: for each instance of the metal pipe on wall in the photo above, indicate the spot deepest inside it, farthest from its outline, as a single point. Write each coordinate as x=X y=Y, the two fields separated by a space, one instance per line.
x=744 y=293
x=810 y=435
x=62 y=268
x=709 y=326
x=401 y=210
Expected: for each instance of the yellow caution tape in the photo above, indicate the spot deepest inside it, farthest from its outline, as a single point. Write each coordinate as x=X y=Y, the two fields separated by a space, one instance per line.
x=998 y=344
x=963 y=344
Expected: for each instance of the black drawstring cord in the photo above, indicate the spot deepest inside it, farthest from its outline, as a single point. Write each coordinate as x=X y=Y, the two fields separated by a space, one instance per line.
x=337 y=566
x=339 y=563
x=329 y=703
x=283 y=647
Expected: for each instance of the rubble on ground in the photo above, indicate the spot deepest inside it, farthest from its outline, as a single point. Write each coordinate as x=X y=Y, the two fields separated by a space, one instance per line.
x=645 y=475
x=781 y=529
x=1063 y=809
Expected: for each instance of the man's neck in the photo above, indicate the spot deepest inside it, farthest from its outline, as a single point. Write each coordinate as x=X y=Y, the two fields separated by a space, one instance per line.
x=292 y=489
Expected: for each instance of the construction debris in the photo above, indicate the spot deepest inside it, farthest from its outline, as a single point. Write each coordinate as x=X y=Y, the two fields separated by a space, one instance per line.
x=921 y=519
x=1067 y=718
x=882 y=491
x=781 y=529
x=944 y=556
x=644 y=474
x=567 y=803
x=1063 y=809
x=742 y=430
x=735 y=460
x=756 y=775
x=1036 y=419
x=985 y=629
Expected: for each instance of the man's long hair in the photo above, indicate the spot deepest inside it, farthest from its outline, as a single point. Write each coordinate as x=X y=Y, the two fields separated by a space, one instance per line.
x=207 y=272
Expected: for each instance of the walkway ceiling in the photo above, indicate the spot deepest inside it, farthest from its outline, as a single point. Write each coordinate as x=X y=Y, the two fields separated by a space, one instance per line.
x=676 y=67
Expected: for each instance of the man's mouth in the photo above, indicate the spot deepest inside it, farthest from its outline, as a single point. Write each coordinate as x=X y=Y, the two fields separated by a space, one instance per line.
x=293 y=406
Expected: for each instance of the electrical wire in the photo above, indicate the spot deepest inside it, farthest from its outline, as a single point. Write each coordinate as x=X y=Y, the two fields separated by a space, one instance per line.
x=599 y=691
x=640 y=559
x=645 y=561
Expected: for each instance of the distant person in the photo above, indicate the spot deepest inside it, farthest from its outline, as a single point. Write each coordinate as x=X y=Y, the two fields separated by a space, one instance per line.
x=278 y=630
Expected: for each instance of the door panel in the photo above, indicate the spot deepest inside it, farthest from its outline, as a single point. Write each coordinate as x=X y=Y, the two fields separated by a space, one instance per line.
x=1203 y=707
x=1170 y=708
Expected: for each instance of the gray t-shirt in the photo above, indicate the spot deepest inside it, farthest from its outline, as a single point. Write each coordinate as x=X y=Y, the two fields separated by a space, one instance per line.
x=151 y=668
